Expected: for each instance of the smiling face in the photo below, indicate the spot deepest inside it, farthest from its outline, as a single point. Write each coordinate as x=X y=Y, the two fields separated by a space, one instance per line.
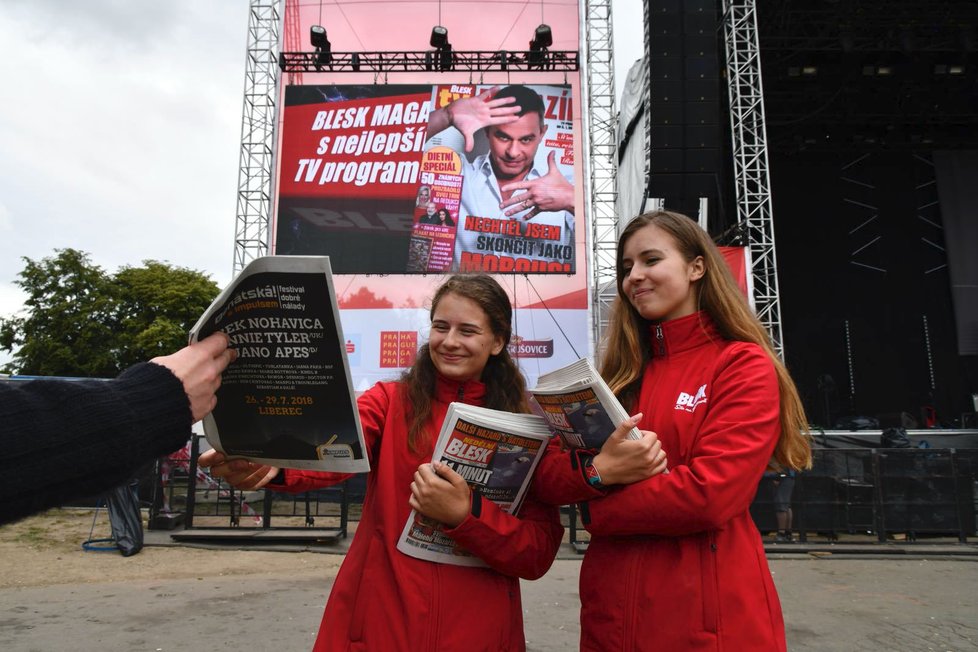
x=513 y=146
x=461 y=339
x=658 y=280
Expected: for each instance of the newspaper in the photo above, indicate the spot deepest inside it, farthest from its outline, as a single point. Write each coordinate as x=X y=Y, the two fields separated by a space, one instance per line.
x=579 y=406
x=288 y=399
x=496 y=452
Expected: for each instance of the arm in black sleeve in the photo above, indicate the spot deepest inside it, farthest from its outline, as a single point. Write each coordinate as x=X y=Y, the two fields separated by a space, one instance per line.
x=61 y=440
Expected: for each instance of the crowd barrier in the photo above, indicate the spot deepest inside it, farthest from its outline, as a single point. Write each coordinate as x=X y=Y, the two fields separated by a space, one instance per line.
x=874 y=492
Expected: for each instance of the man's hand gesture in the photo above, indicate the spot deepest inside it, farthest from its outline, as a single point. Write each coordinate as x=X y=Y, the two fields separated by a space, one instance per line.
x=549 y=193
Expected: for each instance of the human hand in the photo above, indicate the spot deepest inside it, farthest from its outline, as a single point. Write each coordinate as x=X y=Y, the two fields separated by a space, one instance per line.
x=551 y=192
x=240 y=474
x=624 y=461
x=199 y=367
x=440 y=493
x=470 y=114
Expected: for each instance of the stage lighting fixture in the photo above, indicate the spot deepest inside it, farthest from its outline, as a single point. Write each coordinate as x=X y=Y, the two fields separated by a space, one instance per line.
x=809 y=70
x=884 y=71
x=317 y=36
x=955 y=70
x=542 y=38
x=355 y=62
x=439 y=37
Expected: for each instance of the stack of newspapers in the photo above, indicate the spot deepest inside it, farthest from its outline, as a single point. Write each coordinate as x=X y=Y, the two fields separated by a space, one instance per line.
x=579 y=405
x=496 y=453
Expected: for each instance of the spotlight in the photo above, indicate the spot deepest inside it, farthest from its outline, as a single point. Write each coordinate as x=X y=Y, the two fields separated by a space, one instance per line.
x=542 y=38
x=442 y=57
x=317 y=36
x=439 y=37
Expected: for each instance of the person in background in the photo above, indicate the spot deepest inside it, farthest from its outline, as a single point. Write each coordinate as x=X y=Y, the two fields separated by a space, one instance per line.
x=784 y=485
x=675 y=561
x=65 y=439
x=383 y=599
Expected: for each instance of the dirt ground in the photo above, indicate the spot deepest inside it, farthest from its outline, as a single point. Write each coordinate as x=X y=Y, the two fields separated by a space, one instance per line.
x=179 y=598
x=47 y=549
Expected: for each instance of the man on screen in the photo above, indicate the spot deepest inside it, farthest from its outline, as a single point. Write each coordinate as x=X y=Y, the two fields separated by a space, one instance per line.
x=510 y=183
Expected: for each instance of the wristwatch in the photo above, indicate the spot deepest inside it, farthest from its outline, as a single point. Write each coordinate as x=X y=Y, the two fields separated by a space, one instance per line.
x=591 y=474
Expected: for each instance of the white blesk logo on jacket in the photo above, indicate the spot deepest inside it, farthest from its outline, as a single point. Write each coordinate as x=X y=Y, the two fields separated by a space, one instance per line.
x=688 y=402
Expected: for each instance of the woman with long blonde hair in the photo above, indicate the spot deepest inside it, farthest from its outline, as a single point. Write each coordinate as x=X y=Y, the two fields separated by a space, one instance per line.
x=675 y=561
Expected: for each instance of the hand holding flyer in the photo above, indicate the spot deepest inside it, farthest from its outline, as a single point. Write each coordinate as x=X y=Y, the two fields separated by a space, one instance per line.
x=287 y=400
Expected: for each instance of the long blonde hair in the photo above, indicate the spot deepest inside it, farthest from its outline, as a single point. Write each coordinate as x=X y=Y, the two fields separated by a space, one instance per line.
x=627 y=349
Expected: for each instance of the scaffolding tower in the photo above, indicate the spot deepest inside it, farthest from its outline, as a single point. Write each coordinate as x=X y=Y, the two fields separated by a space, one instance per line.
x=751 y=170
x=601 y=163
x=257 y=133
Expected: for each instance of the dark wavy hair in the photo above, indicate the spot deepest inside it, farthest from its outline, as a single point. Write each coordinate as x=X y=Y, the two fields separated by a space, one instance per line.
x=505 y=385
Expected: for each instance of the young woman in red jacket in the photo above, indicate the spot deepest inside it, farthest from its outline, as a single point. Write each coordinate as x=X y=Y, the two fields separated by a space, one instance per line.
x=383 y=599
x=675 y=561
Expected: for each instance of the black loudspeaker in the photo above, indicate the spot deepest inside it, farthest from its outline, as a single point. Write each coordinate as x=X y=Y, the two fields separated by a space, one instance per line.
x=685 y=100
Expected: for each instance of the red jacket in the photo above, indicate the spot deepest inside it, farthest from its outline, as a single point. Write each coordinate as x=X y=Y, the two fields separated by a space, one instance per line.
x=675 y=561
x=384 y=600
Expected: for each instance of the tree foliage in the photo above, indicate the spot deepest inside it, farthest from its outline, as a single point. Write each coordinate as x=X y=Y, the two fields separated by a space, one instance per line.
x=80 y=320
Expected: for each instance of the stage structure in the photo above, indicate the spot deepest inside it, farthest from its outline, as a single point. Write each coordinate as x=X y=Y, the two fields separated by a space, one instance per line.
x=257 y=133
x=266 y=61
x=750 y=157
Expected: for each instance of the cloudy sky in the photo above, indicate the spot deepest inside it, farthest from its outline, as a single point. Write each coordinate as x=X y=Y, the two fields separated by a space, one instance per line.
x=121 y=127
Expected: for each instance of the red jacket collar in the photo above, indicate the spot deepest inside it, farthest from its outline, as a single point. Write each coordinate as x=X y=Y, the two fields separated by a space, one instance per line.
x=676 y=335
x=472 y=392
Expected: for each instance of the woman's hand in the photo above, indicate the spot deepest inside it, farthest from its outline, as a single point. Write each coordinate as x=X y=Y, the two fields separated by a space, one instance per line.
x=240 y=474
x=440 y=493
x=624 y=461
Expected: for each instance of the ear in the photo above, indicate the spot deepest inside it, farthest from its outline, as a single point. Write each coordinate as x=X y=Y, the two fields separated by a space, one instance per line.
x=696 y=269
x=497 y=345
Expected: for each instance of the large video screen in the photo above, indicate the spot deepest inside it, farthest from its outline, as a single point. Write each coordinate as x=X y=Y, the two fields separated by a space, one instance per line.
x=400 y=179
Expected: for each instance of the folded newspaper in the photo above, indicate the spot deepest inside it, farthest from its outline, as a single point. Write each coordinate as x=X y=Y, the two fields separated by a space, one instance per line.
x=579 y=406
x=287 y=400
x=496 y=452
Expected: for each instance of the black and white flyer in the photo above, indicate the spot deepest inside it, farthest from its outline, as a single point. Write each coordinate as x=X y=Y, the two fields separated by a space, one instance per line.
x=287 y=400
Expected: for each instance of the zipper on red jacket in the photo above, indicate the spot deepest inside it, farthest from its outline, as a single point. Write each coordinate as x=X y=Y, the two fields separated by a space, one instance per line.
x=461 y=392
x=660 y=340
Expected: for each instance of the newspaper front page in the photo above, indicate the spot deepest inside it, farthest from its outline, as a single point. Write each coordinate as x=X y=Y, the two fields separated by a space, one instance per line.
x=496 y=452
x=579 y=405
x=287 y=400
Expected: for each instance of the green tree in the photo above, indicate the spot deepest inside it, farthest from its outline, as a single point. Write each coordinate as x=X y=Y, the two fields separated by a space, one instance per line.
x=81 y=321
x=156 y=305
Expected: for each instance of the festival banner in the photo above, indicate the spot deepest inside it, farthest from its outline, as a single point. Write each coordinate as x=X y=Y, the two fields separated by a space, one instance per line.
x=379 y=179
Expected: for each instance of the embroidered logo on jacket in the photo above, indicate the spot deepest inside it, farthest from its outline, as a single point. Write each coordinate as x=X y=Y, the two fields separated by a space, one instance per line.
x=688 y=402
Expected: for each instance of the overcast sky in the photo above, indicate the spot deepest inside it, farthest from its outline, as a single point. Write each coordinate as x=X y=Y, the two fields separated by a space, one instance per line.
x=121 y=129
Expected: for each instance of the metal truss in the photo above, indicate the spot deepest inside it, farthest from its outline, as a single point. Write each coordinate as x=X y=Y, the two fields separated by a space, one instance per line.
x=257 y=133
x=751 y=170
x=431 y=60
x=601 y=162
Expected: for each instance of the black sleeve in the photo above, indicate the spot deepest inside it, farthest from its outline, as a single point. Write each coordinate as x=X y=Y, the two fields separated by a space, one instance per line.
x=61 y=440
